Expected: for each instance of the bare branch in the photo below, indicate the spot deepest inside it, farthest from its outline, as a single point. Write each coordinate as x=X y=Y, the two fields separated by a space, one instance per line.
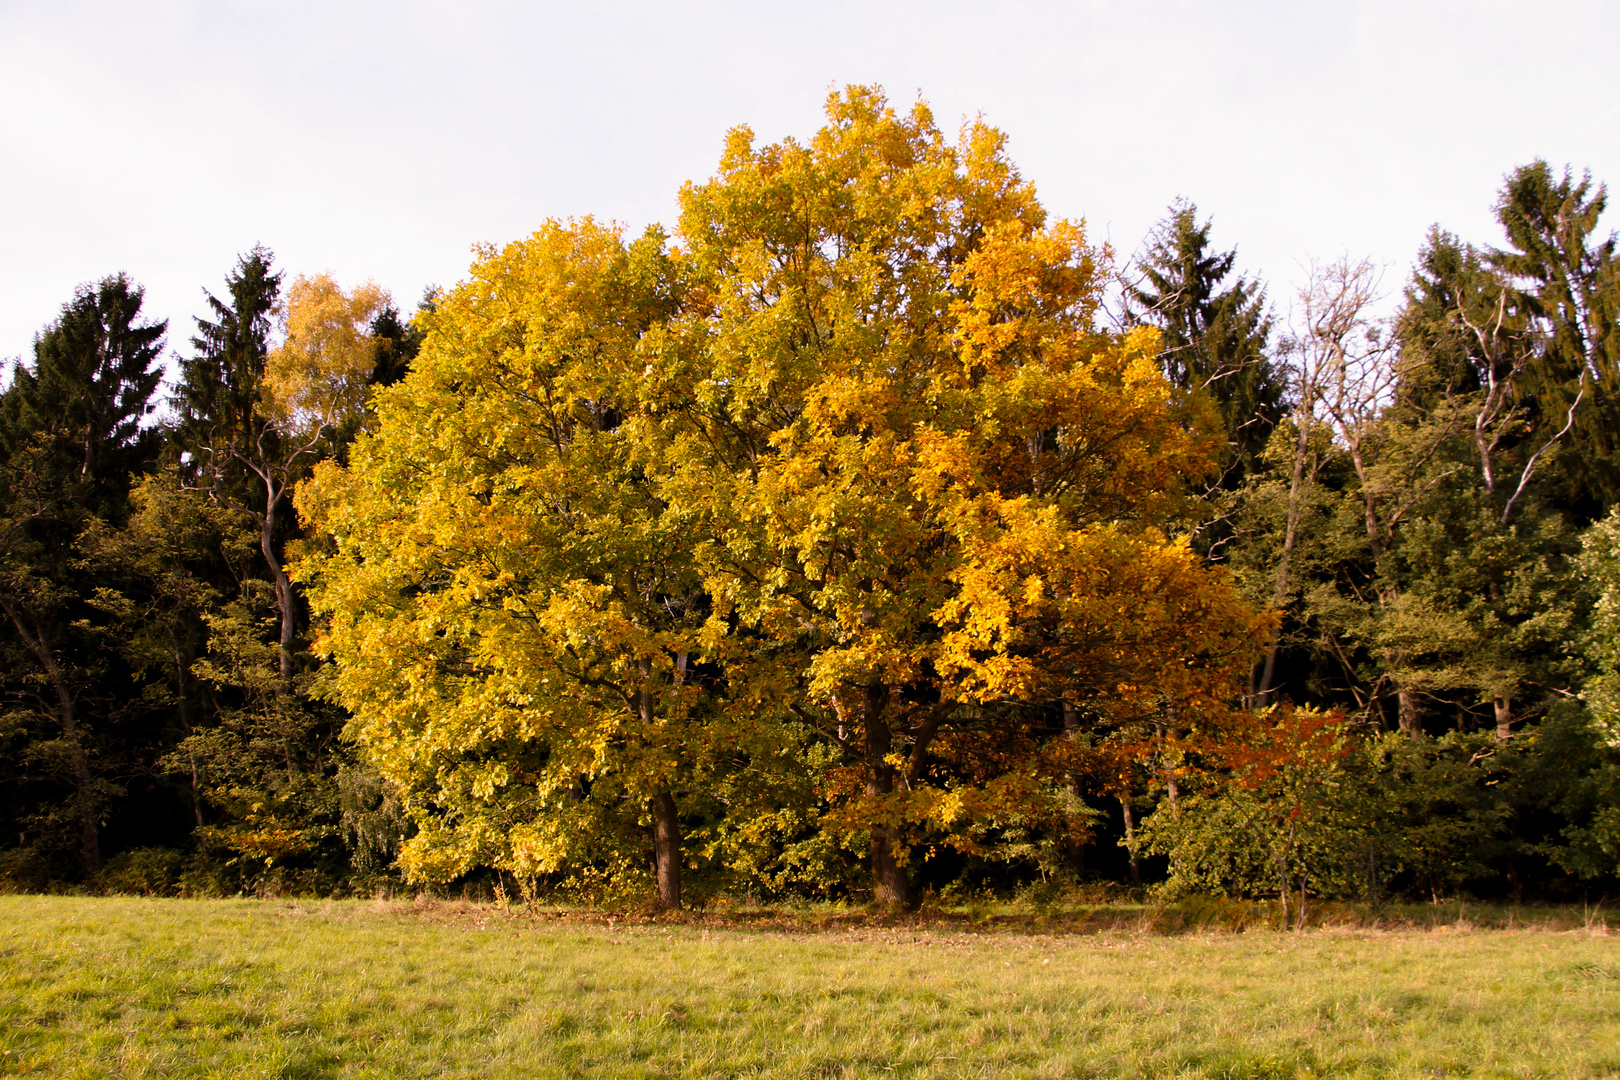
x=1530 y=466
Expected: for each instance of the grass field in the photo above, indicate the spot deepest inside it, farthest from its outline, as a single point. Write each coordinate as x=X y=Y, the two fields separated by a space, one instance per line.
x=262 y=988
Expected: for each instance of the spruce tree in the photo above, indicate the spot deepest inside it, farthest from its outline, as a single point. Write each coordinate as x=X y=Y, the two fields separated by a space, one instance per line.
x=399 y=340
x=1565 y=282
x=220 y=382
x=1216 y=340
x=87 y=393
x=71 y=442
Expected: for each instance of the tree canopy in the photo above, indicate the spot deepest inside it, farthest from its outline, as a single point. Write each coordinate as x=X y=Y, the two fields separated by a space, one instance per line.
x=856 y=449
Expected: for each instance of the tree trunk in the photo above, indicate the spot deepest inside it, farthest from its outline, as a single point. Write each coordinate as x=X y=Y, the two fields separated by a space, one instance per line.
x=67 y=719
x=667 y=850
x=890 y=886
x=185 y=724
x=1282 y=878
x=284 y=591
x=1074 y=845
x=666 y=858
x=196 y=792
x=1130 y=839
x=1503 y=707
x=89 y=833
x=1172 y=788
x=1407 y=713
x=1268 y=675
x=1296 y=511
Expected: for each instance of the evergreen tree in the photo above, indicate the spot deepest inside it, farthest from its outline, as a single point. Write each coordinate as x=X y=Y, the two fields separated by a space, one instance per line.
x=85 y=397
x=71 y=441
x=398 y=341
x=235 y=452
x=1565 y=282
x=1494 y=548
x=219 y=383
x=1216 y=340
x=1454 y=300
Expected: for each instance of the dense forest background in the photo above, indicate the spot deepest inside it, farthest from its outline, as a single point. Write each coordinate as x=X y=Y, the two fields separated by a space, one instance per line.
x=1424 y=502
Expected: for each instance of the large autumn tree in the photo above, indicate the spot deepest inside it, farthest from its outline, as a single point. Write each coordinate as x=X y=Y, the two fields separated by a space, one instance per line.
x=852 y=463
x=940 y=501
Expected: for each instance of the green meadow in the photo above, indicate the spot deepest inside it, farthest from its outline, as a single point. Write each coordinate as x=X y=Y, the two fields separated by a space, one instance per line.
x=302 y=989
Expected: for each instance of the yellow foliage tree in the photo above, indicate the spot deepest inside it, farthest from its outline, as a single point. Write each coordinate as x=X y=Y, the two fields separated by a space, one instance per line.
x=856 y=451
x=939 y=499
x=518 y=628
x=319 y=377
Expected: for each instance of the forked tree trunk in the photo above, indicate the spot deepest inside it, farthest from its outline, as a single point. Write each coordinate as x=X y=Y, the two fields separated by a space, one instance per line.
x=1503 y=707
x=890 y=886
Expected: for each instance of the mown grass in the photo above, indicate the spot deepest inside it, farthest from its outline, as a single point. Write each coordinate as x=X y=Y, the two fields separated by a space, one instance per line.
x=259 y=988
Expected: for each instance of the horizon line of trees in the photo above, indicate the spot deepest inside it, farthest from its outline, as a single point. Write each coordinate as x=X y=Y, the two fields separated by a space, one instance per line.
x=841 y=544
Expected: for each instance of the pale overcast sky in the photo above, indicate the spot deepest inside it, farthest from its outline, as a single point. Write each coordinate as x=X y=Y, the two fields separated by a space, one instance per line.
x=382 y=140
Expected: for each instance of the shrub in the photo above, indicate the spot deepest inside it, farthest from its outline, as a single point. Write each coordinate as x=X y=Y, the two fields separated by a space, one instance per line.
x=141 y=872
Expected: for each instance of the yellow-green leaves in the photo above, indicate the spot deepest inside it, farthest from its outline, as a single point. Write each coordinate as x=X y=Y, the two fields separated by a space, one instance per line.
x=508 y=603
x=318 y=377
x=853 y=462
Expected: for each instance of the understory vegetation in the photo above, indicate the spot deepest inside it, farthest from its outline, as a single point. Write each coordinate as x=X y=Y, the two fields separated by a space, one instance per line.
x=869 y=536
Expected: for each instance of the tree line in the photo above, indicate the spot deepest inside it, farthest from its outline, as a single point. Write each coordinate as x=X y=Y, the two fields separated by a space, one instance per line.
x=871 y=534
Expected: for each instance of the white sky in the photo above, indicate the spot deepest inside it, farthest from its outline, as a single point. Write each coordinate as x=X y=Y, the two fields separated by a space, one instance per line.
x=381 y=140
